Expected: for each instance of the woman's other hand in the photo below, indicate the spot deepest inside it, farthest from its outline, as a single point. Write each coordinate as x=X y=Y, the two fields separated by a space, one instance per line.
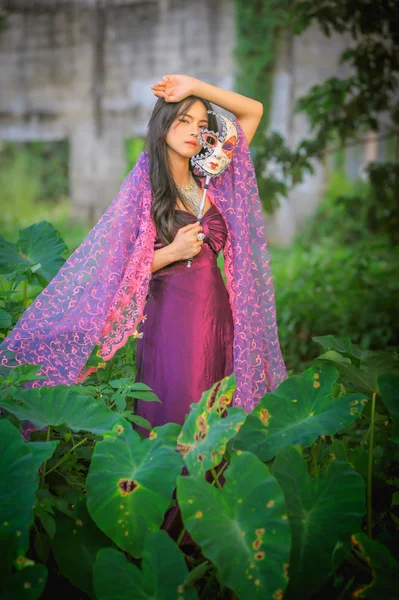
x=174 y=88
x=186 y=244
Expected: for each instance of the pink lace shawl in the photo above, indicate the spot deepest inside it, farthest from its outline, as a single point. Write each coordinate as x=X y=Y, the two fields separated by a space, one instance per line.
x=98 y=296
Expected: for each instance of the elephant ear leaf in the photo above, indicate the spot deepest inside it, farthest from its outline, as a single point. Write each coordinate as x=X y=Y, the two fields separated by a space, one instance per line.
x=322 y=513
x=19 y=467
x=302 y=408
x=115 y=577
x=130 y=484
x=243 y=528
x=209 y=427
x=38 y=253
x=384 y=569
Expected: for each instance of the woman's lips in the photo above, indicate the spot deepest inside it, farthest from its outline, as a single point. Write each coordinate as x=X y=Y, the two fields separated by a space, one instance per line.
x=192 y=143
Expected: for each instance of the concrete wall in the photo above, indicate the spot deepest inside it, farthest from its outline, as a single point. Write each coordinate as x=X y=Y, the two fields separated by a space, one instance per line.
x=82 y=70
x=302 y=63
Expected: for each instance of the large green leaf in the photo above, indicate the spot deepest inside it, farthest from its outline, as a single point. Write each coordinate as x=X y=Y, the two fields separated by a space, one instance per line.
x=359 y=369
x=162 y=576
x=61 y=405
x=384 y=570
x=321 y=513
x=343 y=345
x=130 y=485
x=164 y=435
x=301 y=409
x=39 y=249
x=27 y=584
x=242 y=529
x=389 y=389
x=19 y=465
x=205 y=433
x=75 y=546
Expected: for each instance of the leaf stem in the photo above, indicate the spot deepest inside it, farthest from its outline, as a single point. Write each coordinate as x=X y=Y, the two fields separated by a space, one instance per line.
x=370 y=469
x=66 y=456
x=45 y=462
x=216 y=478
x=179 y=539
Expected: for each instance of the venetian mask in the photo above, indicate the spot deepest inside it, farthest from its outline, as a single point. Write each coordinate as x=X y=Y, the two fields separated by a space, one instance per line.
x=219 y=147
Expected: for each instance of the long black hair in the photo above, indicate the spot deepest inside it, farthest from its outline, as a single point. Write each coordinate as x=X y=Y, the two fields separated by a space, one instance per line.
x=164 y=191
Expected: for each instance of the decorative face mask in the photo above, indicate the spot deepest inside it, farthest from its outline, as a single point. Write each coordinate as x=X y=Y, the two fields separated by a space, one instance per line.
x=219 y=147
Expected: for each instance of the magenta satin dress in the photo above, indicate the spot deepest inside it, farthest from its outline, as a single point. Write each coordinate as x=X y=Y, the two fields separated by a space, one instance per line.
x=187 y=342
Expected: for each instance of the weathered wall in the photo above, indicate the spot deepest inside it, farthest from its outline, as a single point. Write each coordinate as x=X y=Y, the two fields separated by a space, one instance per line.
x=302 y=63
x=82 y=70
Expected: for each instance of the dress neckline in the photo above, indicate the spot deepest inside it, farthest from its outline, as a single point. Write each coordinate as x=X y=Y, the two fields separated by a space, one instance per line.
x=192 y=214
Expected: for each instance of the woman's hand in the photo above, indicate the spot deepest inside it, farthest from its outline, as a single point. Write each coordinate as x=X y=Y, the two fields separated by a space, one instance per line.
x=185 y=244
x=174 y=88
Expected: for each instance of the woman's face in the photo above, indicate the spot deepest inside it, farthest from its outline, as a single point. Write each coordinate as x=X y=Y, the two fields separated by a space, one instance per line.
x=183 y=135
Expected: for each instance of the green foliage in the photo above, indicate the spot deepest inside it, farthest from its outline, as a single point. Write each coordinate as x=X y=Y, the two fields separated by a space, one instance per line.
x=115 y=577
x=323 y=514
x=129 y=485
x=291 y=527
x=38 y=254
x=133 y=148
x=74 y=540
x=45 y=164
x=243 y=529
x=19 y=465
x=295 y=413
x=338 y=109
x=347 y=105
x=340 y=274
x=204 y=436
x=257 y=27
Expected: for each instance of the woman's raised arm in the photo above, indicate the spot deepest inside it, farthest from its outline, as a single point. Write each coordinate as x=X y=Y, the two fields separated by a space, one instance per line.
x=248 y=111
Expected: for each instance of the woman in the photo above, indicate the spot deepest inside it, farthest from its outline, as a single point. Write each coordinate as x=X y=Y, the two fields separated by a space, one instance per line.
x=136 y=253
x=187 y=336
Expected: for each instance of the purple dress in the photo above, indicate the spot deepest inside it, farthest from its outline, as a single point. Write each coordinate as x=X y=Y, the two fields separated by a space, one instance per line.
x=187 y=342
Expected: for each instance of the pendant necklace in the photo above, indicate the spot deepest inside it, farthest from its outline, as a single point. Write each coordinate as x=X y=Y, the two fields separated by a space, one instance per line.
x=191 y=195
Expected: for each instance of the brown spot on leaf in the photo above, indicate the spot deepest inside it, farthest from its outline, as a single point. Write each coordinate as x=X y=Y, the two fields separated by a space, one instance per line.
x=259 y=555
x=211 y=400
x=264 y=416
x=225 y=400
x=285 y=567
x=184 y=449
x=127 y=486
